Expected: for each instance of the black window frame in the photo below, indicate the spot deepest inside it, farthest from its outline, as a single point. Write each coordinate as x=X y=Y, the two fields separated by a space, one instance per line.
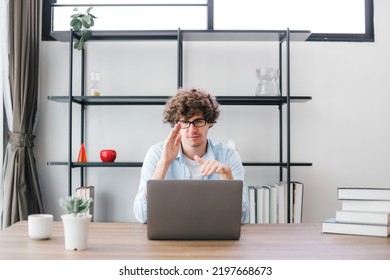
x=368 y=36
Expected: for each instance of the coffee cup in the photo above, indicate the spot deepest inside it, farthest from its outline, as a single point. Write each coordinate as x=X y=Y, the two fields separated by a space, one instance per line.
x=40 y=226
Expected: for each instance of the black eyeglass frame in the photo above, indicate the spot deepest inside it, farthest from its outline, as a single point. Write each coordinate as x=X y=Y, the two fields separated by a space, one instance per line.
x=188 y=124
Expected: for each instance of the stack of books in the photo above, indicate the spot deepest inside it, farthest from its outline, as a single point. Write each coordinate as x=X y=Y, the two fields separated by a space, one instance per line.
x=269 y=203
x=364 y=211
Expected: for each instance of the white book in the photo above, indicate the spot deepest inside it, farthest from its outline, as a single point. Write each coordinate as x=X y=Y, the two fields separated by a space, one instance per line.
x=363 y=193
x=332 y=226
x=382 y=218
x=297 y=201
x=252 y=205
x=260 y=205
x=282 y=203
x=366 y=205
x=273 y=204
x=266 y=204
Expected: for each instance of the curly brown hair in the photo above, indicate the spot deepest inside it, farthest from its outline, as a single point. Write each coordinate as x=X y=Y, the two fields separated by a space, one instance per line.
x=190 y=102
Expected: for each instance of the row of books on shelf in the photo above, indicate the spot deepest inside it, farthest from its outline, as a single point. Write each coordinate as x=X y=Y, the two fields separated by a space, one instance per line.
x=87 y=192
x=364 y=211
x=276 y=203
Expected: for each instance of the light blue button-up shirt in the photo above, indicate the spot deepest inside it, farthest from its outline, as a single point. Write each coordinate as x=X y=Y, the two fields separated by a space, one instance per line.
x=179 y=171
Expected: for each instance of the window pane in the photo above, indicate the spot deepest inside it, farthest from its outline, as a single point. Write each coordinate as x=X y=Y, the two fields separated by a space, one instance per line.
x=113 y=2
x=319 y=16
x=137 y=17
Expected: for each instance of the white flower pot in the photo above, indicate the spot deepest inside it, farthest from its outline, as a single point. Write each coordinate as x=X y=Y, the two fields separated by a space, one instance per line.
x=76 y=231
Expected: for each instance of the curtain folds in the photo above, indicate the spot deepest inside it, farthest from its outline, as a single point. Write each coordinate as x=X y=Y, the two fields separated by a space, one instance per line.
x=22 y=195
x=3 y=85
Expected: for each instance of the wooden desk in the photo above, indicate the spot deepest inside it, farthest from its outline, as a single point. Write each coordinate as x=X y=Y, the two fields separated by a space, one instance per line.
x=122 y=241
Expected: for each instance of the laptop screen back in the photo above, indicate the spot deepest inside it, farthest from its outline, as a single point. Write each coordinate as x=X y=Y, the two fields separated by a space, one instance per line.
x=194 y=209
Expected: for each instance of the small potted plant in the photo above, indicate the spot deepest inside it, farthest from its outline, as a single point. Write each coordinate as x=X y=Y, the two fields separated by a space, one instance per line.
x=82 y=23
x=76 y=222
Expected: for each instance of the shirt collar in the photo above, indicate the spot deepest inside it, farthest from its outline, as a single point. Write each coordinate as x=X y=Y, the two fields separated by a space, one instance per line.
x=208 y=156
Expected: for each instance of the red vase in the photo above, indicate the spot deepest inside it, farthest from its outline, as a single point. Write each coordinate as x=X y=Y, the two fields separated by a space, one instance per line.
x=82 y=154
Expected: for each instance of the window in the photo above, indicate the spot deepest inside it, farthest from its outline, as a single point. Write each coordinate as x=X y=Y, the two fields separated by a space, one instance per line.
x=138 y=15
x=328 y=20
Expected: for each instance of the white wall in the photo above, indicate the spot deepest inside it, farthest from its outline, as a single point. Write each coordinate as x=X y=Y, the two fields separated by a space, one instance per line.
x=343 y=131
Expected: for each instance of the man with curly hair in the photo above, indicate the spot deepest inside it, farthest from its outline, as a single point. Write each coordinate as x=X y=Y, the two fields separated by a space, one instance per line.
x=187 y=153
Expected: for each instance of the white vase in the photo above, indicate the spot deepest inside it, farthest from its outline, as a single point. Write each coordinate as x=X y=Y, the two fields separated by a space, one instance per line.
x=76 y=231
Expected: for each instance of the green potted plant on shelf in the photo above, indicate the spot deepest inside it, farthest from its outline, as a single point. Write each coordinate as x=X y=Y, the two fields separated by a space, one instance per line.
x=82 y=23
x=76 y=221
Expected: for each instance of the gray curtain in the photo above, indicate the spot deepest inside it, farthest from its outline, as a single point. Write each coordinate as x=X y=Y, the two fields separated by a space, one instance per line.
x=22 y=195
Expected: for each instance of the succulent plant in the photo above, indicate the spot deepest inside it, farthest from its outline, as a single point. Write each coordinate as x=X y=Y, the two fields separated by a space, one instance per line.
x=75 y=205
x=82 y=22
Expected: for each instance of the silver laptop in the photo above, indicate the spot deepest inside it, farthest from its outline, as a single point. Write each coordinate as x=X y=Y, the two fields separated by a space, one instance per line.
x=194 y=209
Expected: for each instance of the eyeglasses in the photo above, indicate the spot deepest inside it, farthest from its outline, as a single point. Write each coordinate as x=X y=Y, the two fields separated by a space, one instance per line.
x=196 y=123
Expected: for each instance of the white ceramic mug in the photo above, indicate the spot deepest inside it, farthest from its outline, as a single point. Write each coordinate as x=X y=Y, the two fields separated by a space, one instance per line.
x=40 y=226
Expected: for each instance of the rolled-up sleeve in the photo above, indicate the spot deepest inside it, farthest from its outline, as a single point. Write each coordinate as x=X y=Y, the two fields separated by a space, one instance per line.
x=235 y=163
x=149 y=165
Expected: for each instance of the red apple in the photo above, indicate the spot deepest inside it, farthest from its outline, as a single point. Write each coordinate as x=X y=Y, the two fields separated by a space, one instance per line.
x=107 y=155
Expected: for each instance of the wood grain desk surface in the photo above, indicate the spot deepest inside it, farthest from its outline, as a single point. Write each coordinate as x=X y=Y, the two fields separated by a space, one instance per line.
x=123 y=241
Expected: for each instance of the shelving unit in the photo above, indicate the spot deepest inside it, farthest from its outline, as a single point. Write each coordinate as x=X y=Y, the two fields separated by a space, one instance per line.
x=284 y=37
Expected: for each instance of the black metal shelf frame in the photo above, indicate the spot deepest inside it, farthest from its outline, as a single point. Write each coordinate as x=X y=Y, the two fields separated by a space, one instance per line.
x=282 y=36
x=139 y=164
x=189 y=35
x=161 y=100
